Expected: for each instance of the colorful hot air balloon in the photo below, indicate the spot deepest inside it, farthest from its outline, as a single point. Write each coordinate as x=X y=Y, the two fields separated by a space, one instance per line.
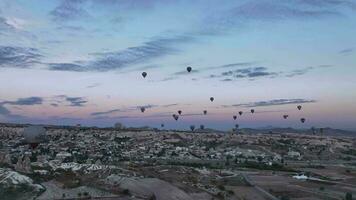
x=285 y=116
x=299 y=107
x=179 y=112
x=162 y=125
x=252 y=111
x=144 y=74
x=192 y=127
x=205 y=112
x=234 y=117
x=189 y=69
x=202 y=127
x=236 y=126
x=211 y=99
x=240 y=112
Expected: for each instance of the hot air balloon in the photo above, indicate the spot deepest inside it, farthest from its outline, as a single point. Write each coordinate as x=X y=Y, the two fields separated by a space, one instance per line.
x=179 y=112
x=285 y=116
x=234 y=117
x=34 y=135
x=205 y=112
x=302 y=120
x=240 y=112
x=202 y=127
x=252 y=111
x=299 y=107
x=162 y=125
x=236 y=126
x=175 y=117
x=189 y=69
x=144 y=74
x=192 y=127
x=211 y=99
x=143 y=109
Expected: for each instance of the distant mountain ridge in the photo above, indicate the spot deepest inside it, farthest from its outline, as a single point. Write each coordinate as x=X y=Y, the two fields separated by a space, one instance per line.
x=264 y=130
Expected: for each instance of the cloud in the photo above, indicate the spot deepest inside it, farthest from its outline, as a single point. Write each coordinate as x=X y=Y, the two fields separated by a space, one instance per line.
x=25 y=101
x=73 y=101
x=93 y=85
x=131 y=108
x=183 y=72
x=299 y=72
x=140 y=54
x=274 y=102
x=28 y=101
x=250 y=72
x=269 y=10
x=230 y=65
x=69 y=10
x=3 y=110
x=66 y=67
x=76 y=101
x=106 y=112
x=19 y=57
x=11 y=23
x=346 y=51
x=170 y=105
x=243 y=13
x=108 y=61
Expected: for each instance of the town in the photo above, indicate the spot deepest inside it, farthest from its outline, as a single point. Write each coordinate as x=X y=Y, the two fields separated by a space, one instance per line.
x=142 y=163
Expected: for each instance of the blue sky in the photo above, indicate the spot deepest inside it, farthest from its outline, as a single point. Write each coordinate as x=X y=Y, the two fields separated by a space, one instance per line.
x=80 y=61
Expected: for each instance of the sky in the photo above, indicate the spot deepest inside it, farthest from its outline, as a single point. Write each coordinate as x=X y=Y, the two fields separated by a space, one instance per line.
x=70 y=62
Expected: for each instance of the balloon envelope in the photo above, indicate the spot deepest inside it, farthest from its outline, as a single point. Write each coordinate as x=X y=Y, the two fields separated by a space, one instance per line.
x=240 y=112
x=144 y=74
x=175 y=117
x=192 y=127
x=34 y=134
x=211 y=99
x=234 y=117
x=189 y=69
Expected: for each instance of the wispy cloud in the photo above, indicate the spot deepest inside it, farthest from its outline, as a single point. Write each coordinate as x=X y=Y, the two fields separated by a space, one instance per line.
x=94 y=85
x=107 y=61
x=3 y=110
x=250 y=72
x=19 y=57
x=69 y=10
x=346 y=51
x=76 y=101
x=73 y=101
x=106 y=112
x=274 y=102
x=25 y=101
x=243 y=13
